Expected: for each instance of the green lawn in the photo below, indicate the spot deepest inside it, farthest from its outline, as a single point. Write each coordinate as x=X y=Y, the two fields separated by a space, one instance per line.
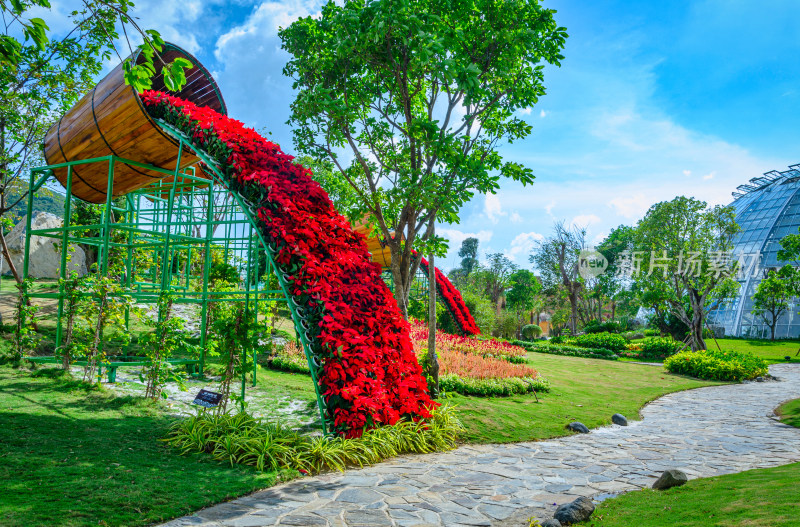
x=72 y=457
x=770 y=351
x=764 y=497
x=585 y=390
x=789 y=412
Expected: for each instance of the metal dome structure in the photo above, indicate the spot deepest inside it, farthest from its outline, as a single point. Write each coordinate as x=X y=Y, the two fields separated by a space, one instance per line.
x=767 y=209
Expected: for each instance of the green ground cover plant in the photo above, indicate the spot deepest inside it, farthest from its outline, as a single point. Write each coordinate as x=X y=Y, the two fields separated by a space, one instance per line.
x=492 y=387
x=717 y=365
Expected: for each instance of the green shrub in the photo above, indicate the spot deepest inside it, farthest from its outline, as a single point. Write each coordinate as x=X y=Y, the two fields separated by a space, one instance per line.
x=633 y=335
x=717 y=365
x=531 y=331
x=243 y=439
x=605 y=327
x=569 y=351
x=501 y=387
x=659 y=348
x=651 y=333
x=289 y=358
x=609 y=341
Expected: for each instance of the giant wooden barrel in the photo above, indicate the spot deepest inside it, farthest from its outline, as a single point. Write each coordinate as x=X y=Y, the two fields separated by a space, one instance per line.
x=111 y=119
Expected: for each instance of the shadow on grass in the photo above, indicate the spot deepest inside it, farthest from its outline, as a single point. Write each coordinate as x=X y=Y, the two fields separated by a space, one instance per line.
x=72 y=457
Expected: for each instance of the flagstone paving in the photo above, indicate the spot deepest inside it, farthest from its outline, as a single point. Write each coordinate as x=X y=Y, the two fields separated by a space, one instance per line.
x=703 y=432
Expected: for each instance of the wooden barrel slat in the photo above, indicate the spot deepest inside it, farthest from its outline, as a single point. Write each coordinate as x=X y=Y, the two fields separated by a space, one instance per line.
x=111 y=120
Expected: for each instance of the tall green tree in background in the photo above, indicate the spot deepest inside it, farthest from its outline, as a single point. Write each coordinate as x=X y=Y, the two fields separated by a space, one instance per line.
x=522 y=295
x=557 y=259
x=771 y=299
x=42 y=77
x=469 y=255
x=409 y=101
x=686 y=250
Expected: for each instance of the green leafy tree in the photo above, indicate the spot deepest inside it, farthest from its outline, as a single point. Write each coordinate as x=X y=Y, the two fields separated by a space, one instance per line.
x=41 y=78
x=409 y=101
x=522 y=295
x=557 y=259
x=686 y=247
x=771 y=299
x=469 y=255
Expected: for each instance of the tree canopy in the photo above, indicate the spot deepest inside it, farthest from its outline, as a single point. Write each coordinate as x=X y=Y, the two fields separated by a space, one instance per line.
x=409 y=102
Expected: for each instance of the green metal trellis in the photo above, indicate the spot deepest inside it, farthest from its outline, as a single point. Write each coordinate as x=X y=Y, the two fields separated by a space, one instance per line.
x=174 y=219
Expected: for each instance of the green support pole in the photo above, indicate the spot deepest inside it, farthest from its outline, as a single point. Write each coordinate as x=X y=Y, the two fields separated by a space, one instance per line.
x=63 y=270
x=206 y=271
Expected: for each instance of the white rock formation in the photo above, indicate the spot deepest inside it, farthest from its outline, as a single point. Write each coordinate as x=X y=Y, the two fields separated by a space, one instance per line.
x=45 y=256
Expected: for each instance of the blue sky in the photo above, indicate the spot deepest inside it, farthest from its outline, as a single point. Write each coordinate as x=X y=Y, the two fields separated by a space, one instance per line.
x=653 y=100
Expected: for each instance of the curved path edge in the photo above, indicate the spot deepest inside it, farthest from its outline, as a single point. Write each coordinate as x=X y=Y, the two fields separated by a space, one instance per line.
x=704 y=432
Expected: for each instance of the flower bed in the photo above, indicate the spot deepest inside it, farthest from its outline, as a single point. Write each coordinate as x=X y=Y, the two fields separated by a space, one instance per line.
x=483 y=347
x=717 y=365
x=478 y=367
x=568 y=351
x=360 y=346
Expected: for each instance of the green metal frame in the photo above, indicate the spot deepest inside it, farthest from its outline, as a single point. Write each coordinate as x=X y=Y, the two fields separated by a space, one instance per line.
x=160 y=218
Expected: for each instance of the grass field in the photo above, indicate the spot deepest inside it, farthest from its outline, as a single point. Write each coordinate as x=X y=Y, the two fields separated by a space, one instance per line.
x=77 y=457
x=770 y=351
x=789 y=412
x=586 y=390
x=755 y=498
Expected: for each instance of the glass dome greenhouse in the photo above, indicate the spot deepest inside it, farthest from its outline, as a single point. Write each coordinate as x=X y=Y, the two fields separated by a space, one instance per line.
x=767 y=209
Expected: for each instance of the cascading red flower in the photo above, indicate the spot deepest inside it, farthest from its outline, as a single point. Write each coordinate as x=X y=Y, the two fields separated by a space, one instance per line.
x=368 y=374
x=454 y=302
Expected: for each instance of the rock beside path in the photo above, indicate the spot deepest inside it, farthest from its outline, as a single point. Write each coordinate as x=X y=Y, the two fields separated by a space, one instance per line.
x=670 y=478
x=574 y=512
x=578 y=427
x=619 y=419
x=552 y=522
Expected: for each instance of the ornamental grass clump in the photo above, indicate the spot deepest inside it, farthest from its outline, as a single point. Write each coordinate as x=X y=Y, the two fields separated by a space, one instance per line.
x=245 y=440
x=717 y=365
x=289 y=358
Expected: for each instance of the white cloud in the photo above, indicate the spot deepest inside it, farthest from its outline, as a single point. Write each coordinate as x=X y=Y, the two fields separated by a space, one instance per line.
x=525 y=111
x=515 y=218
x=522 y=245
x=542 y=113
x=687 y=173
x=456 y=237
x=632 y=207
x=585 y=220
x=708 y=176
x=493 y=209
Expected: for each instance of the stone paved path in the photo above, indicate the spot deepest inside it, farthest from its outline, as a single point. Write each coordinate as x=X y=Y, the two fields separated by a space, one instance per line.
x=704 y=432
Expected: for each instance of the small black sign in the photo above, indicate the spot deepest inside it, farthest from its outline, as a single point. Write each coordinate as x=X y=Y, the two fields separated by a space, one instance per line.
x=207 y=399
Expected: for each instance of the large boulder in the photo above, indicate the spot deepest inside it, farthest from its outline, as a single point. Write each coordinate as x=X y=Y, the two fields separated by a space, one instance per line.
x=574 y=512
x=579 y=427
x=670 y=478
x=619 y=419
x=45 y=256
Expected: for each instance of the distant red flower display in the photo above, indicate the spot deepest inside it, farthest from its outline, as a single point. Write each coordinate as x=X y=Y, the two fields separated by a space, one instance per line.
x=454 y=302
x=368 y=373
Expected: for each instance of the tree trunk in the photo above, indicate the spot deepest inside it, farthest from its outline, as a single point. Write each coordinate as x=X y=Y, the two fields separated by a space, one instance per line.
x=7 y=258
x=573 y=321
x=432 y=363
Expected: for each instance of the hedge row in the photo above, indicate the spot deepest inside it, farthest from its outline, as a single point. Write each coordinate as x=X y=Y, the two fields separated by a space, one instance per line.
x=492 y=387
x=569 y=351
